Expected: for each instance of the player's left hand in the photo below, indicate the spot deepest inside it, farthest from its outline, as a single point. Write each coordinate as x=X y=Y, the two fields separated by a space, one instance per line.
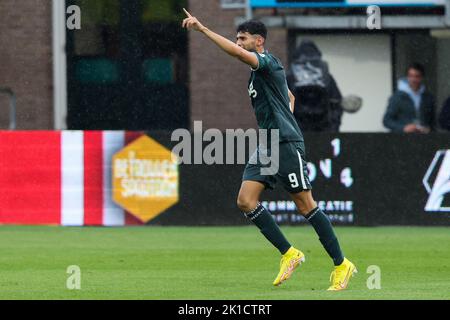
x=192 y=22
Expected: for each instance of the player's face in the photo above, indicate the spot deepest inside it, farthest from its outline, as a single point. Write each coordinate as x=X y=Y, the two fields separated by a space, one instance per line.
x=248 y=41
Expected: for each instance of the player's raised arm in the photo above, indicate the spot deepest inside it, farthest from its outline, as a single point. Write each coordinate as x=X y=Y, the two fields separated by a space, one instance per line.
x=192 y=23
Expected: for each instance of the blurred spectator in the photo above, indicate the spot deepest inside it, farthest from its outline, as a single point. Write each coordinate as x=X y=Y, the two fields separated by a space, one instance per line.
x=411 y=108
x=444 y=117
x=318 y=99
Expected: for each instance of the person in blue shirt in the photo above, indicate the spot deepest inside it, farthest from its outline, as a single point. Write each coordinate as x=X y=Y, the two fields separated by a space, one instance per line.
x=411 y=108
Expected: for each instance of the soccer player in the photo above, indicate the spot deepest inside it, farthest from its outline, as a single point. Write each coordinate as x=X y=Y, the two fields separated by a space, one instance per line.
x=273 y=105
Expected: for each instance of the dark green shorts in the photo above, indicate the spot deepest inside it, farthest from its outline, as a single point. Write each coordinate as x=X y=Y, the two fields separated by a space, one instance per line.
x=292 y=171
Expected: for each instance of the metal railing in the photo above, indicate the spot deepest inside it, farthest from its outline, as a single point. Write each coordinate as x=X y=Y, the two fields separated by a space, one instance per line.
x=12 y=106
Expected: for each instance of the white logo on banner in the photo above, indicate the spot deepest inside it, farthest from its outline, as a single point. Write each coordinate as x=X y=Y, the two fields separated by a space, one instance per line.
x=441 y=185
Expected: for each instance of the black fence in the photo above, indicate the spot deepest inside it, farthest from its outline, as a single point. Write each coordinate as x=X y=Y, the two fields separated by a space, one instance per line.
x=358 y=179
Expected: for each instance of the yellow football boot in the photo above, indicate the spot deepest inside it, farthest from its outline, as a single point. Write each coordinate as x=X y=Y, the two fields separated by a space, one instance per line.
x=289 y=261
x=341 y=275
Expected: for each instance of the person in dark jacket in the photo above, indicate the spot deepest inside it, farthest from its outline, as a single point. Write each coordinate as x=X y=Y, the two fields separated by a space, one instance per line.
x=444 y=116
x=411 y=108
x=318 y=104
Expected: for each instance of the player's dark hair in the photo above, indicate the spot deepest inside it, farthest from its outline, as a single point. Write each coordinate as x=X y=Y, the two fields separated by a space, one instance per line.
x=417 y=66
x=253 y=27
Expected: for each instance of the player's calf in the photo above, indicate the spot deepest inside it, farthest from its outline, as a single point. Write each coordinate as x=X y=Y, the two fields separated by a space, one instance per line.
x=263 y=219
x=321 y=224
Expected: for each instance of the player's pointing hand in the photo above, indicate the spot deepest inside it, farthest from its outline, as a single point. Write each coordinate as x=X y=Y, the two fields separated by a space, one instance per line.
x=191 y=22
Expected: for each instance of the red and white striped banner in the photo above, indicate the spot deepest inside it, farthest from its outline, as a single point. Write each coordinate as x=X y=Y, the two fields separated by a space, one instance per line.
x=60 y=178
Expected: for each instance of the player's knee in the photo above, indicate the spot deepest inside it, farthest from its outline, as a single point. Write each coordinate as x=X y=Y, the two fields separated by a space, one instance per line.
x=307 y=209
x=304 y=208
x=305 y=204
x=246 y=204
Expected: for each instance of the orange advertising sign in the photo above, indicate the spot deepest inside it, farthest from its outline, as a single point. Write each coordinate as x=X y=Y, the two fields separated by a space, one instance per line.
x=145 y=179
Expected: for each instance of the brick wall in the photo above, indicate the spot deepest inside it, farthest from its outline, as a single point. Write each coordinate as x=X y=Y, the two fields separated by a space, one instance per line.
x=218 y=83
x=26 y=61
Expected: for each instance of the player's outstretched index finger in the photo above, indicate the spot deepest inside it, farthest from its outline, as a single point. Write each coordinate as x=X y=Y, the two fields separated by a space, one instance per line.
x=187 y=13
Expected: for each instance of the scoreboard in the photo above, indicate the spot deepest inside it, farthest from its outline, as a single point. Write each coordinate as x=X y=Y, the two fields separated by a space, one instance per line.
x=343 y=3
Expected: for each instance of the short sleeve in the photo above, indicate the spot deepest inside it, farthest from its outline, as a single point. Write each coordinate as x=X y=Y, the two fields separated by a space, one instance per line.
x=264 y=62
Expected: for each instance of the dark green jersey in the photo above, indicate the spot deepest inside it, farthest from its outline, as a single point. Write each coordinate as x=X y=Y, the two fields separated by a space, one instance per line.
x=268 y=91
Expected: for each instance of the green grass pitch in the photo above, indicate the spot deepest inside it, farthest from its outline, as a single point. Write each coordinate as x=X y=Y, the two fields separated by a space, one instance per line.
x=216 y=263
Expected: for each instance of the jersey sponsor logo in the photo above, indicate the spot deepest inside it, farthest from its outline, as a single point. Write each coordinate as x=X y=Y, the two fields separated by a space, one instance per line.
x=252 y=92
x=440 y=188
